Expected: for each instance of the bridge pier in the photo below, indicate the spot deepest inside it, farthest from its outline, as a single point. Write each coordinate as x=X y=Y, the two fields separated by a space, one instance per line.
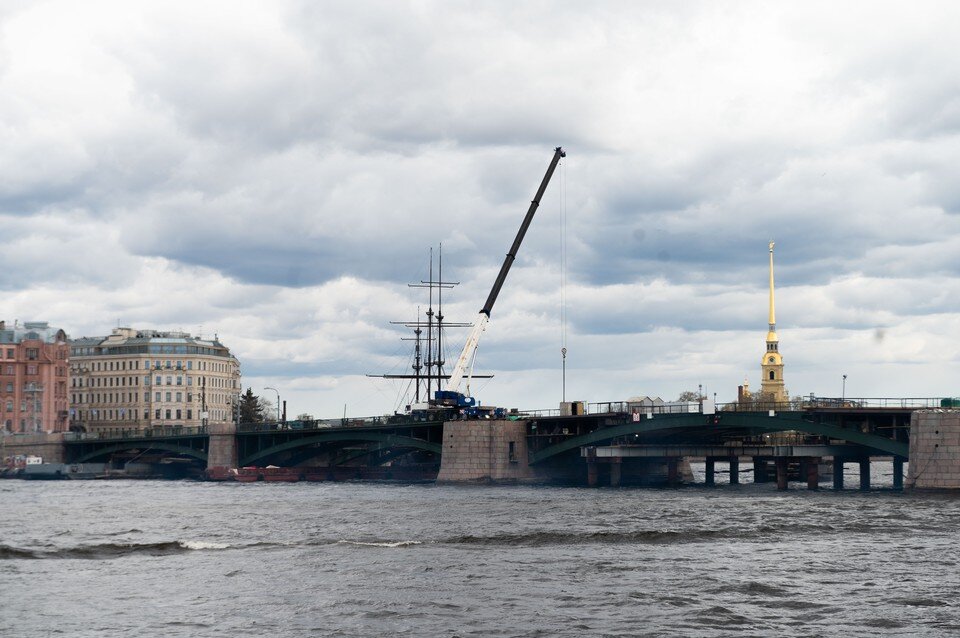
x=222 y=450
x=592 y=473
x=782 y=469
x=492 y=451
x=47 y=446
x=865 y=474
x=898 y=472
x=760 y=470
x=615 y=469
x=934 y=450
x=734 y=471
x=813 y=473
x=673 y=471
x=708 y=472
x=837 y=473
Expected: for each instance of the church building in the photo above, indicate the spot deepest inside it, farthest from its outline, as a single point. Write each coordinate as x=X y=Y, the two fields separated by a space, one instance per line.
x=771 y=366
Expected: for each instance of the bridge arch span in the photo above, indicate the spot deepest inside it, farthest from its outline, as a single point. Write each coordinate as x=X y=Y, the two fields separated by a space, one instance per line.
x=179 y=450
x=390 y=440
x=750 y=422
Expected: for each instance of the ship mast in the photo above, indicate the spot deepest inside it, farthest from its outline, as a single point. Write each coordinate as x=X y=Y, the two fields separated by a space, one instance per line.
x=428 y=367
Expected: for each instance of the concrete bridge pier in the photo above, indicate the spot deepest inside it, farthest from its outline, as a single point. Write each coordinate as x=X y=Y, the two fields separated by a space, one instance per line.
x=222 y=450
x=934 y=450
x=487 y=451
x=615 y=469
x=673 y=472
x=708 y=472
x=760 y=470
x=734 y=471
x=782 y=473
x=813 y=473
x=865 y=474
x=898 y=472
x=837 y=473
x=592 y=472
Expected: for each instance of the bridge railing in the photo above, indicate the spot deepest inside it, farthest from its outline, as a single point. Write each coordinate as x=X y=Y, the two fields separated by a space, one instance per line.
x=756 y=405
x=864 y=403
x=135 y=433
x=314 y=424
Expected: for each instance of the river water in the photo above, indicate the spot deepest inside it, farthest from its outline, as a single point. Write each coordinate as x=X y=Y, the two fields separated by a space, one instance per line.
x=179 y=558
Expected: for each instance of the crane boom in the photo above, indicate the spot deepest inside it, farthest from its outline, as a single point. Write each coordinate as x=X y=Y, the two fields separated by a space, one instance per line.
x=470 y=347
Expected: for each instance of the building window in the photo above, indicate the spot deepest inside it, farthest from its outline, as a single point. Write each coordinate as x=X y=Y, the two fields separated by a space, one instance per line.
x=9 y=406
x=168 y=414
x=159 y=380
x=772 y=377
x=189 y=380
x=179 y=397
x=189 y=365
x=179 y=380
x=156 y=396
x=189 y=414
x=169 y=397
x=31 y=369
x=146 y=396
x=189 y=397
x=146 y=415
x=9 y=353
x=9 y=369
x=178 y=415
x=9 y=386
x=169 y=380
x=32 y=354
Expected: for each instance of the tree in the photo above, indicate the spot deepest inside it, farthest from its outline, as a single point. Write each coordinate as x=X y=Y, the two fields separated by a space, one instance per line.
x=268 y=409
x=689 y=395
x=251 y=410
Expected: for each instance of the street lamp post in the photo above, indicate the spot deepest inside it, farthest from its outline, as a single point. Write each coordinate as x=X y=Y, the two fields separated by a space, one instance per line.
x=843 y=395
x=278 y=401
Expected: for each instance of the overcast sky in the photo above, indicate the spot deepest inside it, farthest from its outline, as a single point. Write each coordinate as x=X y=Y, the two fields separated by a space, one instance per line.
x=276 y=172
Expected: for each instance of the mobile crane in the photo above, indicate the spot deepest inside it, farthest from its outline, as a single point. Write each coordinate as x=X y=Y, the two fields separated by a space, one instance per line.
x=451 y=395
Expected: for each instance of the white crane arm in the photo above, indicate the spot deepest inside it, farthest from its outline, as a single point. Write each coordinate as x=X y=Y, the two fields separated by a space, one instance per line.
x=469 y=348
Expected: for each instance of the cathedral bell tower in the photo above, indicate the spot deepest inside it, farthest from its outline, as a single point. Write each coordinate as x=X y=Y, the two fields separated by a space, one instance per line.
x=771 y=366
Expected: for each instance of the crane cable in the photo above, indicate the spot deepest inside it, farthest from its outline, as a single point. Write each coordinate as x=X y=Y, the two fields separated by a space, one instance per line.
x=563 y=279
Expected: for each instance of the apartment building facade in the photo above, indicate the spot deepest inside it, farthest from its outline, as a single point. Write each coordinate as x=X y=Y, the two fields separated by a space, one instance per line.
x=138 y=379
x=33 y=378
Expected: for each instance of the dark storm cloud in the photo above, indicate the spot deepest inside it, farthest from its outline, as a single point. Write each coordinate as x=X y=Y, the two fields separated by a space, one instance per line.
x=289 y=164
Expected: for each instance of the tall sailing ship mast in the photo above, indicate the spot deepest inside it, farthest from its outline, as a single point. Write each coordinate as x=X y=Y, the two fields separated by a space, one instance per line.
x=428 y=367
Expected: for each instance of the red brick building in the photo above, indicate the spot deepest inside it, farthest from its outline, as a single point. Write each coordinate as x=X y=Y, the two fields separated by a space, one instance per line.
x=33 y=378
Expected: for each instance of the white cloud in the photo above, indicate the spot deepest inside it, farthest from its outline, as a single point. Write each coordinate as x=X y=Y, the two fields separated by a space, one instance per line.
x=275 y=173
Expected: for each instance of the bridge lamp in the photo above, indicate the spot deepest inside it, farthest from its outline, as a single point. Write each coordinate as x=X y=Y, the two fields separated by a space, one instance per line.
x=843 y=394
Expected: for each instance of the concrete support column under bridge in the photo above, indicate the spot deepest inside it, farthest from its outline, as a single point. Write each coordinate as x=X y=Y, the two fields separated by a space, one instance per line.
x=782 y=469
x=615 y=467
x=898 y=472
x=837 y=473
x=813 y=473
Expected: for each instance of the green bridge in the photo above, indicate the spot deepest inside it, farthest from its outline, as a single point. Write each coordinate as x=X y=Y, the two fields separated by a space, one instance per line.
x=563 y=447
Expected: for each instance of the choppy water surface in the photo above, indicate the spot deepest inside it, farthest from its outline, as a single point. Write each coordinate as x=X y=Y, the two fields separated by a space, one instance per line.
x=125 y=558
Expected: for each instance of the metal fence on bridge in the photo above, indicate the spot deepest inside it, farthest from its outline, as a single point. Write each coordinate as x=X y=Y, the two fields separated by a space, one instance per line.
x=757 y=405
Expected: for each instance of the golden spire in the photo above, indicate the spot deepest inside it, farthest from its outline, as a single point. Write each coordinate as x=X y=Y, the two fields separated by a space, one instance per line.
x=773 y=320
